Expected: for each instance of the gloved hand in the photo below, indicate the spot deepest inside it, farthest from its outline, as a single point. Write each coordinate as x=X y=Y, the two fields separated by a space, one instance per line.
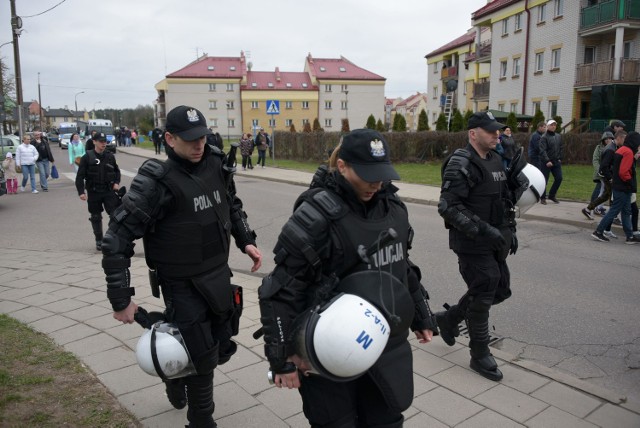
x=493 y=235
x=514 y=243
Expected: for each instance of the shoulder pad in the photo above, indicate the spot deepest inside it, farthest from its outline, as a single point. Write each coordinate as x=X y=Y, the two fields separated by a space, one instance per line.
x=153 y=168
x=457 y=162
x=215 y=150
x=330 y=204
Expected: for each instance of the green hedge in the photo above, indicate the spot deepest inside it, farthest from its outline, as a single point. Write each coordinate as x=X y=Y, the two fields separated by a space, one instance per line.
x=417 y=146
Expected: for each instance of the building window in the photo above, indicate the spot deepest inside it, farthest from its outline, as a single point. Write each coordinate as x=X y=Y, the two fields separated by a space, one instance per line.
x=503 y=69
x=255 y=123
x=288 y=123
x=435 y=68
x=229 y=87
x=501 y=107
x=212 y=105
x=589 y=54
x=558 y=8
x=305 y=105
x=272 y=123
x=327 y=123
x=327 y=88
x=288 y=105
x=435 y=92
x=344 y=88
x=539 y=61
x=212 y=87
x=555 y=59
x=213 y=122
x=255 y=105
x=626 y=50
x=553 y=108
x=231 y=123
x=513 y=108
x=327 y=105
x=343 y=105
x=505 y=27
x=434 y=117
x=516 y=67
x=230 y=105
x=536 y=106
x=517 y=26
x=305 y=121
x=542 y=13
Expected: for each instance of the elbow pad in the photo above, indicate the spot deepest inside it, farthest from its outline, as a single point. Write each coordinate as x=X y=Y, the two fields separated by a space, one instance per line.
x=459 y=217
x=119 y=290
x=241 y=230
x=423 y=318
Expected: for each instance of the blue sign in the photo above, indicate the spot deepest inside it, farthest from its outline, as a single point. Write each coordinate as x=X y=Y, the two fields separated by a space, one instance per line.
x=273 y=106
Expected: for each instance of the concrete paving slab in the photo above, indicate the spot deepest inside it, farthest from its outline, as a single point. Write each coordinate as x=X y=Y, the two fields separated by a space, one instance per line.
x=554 y=417
x=39 y=300
x=426 y=364
x=281 y=401
x=255 y=417
x=230 y=399
x=29 y=314
x=511 y=403
x=422 y=420
x=111 y=359
x=253 y=378
x=524 y=381
x=568 y=399
x=142 y=407
x=64 y=305
x=242 y=358
x=169 y=419
x=614 y=417
x=489 y=418
x=422 y=385
x=87 y=313
x=73 y=333
x=298 y=421
x=92 y=345
x=71 y=292
x=462 y=381
x=18 y=293
x=93 y=297
x=446 y=406
x=128 y=379
x=52 y=323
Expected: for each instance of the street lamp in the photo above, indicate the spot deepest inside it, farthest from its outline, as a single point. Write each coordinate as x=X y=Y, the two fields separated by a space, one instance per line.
x=94 y=108
x=76 y=100
x=228 y=108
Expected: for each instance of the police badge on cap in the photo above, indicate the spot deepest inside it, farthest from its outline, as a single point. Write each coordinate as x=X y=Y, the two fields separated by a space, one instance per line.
x=187 y=123
x=367 y=152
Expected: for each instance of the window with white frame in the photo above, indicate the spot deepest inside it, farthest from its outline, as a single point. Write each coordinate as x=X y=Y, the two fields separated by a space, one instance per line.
x=535 y=107
x=327 y=88
x=505 y=26
x=343 y=105
x=555 y=59
x=539 y=61
x=305 y=121
x=229 y=87
x=213 y=122
x=435 y=68
x=513 y=108
x=327 y=123
x=305 y=105
x=255 y=105
x=516 y=67
x=327 y=105
x=553 y=108
x=255 y=123
x=517 y=25
x=288 y=123
x=503 y=69
x=435 y=92
x=230 y=105
x=213 y=104
x=501 y=107
x=558 y=8
x=212 y=87
x=344 y=88
x=288 y=105
x=542 y=13
x=272 y=123
x=626 y=50
x=231 y=123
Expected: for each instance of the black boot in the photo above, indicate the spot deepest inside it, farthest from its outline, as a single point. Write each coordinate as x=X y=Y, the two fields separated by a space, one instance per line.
x=176 y=393
x=482 y=361
x=201 y=406
x=96 y=225
x=448 y=323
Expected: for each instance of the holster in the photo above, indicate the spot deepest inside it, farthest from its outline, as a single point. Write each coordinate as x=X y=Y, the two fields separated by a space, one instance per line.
x=154 y=282
x=238 y=303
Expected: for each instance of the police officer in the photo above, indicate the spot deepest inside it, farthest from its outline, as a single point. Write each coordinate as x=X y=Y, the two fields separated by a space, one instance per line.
x=346 y=207
x=97 y=180
x=477 y=206
x=185 y=214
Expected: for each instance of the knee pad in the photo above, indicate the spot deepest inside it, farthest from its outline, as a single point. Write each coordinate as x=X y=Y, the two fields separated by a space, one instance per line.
x=95 y=218
x=203 y=349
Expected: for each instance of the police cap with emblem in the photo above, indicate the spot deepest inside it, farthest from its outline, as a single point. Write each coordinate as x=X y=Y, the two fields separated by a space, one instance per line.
x=187 y=123
x=367 y=152
x=484 y=120
x=99 y=136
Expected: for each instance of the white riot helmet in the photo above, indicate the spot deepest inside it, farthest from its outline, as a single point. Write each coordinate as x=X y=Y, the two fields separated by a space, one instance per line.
x=342 y=339
x=161 y=351
x=531 y=196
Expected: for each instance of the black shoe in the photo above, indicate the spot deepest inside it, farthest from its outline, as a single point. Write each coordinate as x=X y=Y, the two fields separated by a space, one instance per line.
x=587 y=213
x=447 y=331
x=543 y=201
x=599 y=236
x=553 y=198
x=176 y=393
x=486 y=367
x=99 y=245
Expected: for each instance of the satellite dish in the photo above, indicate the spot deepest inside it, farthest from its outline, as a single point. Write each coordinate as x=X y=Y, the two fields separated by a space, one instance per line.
x=452 y=85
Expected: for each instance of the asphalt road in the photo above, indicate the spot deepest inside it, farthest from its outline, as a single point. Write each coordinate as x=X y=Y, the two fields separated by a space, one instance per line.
x=574 y=305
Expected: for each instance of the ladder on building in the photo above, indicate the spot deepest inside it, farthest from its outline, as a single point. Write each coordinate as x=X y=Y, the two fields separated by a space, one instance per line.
x=448 y=108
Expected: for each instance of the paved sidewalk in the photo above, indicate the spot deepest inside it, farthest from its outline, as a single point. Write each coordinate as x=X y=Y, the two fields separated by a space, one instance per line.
x=50 y=292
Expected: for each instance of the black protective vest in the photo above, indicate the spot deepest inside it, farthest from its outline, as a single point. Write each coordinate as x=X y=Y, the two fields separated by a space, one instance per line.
x=193 y=238
x=100 y=171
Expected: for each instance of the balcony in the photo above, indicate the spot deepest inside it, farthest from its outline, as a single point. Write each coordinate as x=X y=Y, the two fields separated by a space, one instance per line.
x=448 y=73
x=607 y=12
x=600 y=73
x=481 y=91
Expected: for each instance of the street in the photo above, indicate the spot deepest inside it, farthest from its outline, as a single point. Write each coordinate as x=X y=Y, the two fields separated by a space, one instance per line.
x=574 y=300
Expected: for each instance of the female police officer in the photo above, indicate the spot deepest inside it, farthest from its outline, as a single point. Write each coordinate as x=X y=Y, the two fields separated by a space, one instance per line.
x=347 y=207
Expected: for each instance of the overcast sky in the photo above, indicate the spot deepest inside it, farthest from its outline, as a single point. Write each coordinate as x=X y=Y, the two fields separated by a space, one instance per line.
x=117 y=50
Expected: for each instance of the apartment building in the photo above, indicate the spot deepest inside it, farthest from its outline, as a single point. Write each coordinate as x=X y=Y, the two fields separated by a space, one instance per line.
x=410 y=108
x=236 y=99
x=575 y=59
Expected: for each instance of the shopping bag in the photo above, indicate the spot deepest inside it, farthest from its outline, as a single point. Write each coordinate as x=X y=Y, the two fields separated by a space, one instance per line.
x=18 y=169
x=54 y=172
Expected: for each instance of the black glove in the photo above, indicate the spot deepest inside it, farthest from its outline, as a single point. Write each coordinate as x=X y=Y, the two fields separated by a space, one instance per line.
x=514 y=243
x=493 y=235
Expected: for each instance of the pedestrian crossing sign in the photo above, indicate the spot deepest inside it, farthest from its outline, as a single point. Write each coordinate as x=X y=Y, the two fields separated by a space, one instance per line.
x=273 y=107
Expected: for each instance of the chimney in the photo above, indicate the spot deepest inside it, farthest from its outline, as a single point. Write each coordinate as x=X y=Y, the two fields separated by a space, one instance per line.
x=277 y=74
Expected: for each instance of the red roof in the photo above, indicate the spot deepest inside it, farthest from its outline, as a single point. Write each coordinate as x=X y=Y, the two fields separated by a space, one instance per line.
x=341 y=68
x=491 y=7
x=209 y=67
x=411 y=100
x=465 y=39
x=279 y=80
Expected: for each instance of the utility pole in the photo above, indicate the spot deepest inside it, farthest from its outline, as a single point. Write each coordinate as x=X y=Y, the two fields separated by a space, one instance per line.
x=40 y=103
x=16 y=27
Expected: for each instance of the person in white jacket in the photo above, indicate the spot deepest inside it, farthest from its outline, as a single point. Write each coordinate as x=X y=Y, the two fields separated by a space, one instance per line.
x=26 y=157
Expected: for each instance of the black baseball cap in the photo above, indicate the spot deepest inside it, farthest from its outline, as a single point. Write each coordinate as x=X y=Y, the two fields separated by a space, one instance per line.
x=367 y=152
x=99 y=136
x=617 y=123
x=187 y=123
x=484 y=120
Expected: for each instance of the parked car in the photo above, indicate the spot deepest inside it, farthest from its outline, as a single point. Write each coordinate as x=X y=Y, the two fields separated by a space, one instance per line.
x=8 y=144
x=3 y=182
x=53 y=137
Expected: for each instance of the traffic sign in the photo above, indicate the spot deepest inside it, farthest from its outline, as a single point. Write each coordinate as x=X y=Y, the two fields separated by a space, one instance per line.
x=273 y=106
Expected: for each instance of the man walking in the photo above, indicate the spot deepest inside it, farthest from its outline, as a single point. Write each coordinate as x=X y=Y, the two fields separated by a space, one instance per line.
x=45 y=158
x=534 y=145
x=551 y=151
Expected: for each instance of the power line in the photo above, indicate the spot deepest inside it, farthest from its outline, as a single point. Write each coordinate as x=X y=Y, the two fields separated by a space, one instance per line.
x=43 y=12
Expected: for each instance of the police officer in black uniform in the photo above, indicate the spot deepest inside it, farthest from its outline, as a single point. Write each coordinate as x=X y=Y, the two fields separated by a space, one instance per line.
x=98 y=174
x=346 y=207
x=477 y=205
x=185 y=213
